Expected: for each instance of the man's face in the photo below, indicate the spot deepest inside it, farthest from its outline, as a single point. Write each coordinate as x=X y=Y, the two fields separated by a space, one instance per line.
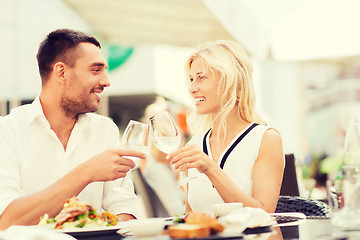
x=84 y=81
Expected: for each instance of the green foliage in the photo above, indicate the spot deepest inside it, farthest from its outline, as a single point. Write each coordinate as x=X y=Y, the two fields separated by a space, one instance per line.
x=330 y=164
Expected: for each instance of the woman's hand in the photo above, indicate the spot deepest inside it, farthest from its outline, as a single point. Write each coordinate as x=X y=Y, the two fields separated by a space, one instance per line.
x=191 y=157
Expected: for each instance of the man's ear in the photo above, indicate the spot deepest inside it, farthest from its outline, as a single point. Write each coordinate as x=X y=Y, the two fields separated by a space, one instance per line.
x=59 y=72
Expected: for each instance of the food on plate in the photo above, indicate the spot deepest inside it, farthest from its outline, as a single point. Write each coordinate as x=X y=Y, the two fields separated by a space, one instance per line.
x=188 y=231
x=179 y=219
x=78 y=215
x=196 y=225
x=204 y=219
x=110 y=218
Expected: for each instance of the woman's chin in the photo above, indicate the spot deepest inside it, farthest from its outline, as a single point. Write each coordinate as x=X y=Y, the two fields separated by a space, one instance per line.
x=200 y=111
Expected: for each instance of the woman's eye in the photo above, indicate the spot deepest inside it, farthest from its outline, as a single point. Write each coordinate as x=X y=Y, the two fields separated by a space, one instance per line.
x=191 y=79
x=200 y=77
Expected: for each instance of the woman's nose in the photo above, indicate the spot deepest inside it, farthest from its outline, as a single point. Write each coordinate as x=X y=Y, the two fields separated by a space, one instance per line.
x=193 y=88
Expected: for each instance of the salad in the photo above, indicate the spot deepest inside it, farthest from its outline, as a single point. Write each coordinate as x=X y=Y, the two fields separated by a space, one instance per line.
x=78 y=215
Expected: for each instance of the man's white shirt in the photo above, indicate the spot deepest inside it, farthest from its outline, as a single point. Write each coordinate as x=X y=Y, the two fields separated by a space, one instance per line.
x=32 y=158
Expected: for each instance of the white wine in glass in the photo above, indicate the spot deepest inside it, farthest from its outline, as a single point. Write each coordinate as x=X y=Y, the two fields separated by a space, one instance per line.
x=167 y=144
x=166 y=137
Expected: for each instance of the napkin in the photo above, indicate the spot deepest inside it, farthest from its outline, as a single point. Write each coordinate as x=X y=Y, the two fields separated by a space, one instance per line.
x=32 y=233
x=237 y=221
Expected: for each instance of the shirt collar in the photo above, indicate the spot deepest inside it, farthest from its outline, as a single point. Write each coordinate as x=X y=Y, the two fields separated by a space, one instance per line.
x=36 y=111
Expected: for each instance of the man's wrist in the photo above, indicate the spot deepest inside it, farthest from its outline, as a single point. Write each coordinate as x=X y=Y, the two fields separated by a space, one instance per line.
x=125 y=217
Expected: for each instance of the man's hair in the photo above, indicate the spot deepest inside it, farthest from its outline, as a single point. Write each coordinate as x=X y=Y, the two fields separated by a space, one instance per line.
x=60 y=46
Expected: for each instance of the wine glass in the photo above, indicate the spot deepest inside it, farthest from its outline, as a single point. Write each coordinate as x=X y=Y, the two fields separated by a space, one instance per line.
x=135 y=137
x=167 y=137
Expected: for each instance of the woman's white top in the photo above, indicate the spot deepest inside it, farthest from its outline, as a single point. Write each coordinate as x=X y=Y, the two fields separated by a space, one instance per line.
x=238 y=161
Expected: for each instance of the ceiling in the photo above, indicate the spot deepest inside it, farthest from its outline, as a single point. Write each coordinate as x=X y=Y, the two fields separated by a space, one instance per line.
x=129 y=22
x=283 y=30
x=184 y=23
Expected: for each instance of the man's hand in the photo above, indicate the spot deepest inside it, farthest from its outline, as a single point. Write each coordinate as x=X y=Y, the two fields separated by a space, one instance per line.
x=110 y=165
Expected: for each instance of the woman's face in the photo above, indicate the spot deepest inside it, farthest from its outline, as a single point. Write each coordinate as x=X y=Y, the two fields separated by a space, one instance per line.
x=203 y=87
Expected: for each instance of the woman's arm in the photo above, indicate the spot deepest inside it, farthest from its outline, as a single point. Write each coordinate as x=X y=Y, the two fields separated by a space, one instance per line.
x=266 y=176
x=267 y=173
x=268 y=170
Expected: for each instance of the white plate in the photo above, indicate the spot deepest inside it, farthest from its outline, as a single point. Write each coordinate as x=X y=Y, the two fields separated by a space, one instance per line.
x=91 y=231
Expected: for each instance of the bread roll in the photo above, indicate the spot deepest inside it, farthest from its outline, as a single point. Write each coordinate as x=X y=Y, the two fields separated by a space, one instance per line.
x=204 y=219
x=188 y=231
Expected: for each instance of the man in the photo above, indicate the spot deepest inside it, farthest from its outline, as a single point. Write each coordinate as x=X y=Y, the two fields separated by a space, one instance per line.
x=54 y=148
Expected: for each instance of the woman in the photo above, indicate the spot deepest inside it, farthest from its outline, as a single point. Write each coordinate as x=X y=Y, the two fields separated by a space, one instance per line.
x=229 y=167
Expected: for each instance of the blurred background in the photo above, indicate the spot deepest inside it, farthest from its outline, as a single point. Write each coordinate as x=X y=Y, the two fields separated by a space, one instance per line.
x=306 y=56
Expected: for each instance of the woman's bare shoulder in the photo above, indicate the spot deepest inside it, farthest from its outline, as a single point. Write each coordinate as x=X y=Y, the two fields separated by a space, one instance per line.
x=271 y=144
x=272 y=135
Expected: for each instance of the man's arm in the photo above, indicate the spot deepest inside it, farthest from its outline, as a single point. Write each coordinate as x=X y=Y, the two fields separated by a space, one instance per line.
x=27 y=210
x=105 y=166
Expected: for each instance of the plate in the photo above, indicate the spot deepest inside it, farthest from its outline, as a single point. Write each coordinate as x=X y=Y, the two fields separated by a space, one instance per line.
x=94 y=231
x=214 y=237
x=288 y=218
x=232 y=236
x=258 y=230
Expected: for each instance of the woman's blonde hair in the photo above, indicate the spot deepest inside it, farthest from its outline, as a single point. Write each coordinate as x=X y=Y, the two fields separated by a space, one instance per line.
x=235 y=91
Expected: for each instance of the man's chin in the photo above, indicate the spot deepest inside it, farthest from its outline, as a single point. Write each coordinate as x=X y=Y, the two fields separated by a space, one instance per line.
x=84 y=112
x=88 y=110
x=92 y=110
x=92 y=107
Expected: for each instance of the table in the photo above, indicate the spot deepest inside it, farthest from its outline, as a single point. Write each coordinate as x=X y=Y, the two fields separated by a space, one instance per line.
x=310 y=229
x=313 y=229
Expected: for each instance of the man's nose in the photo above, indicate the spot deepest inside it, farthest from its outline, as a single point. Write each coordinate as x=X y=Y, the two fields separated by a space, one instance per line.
x=105 y=81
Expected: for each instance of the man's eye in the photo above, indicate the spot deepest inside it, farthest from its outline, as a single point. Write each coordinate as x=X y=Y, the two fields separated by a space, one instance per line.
x=200 y=77
x=191 y=79
x=96 y=70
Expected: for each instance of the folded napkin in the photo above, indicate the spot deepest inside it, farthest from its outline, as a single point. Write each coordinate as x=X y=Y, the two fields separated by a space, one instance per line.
x=32 y=233
x=247 y=217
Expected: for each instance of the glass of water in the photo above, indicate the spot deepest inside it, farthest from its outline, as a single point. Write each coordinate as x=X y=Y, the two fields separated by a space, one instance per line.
x=347 y=218
x=334 y=195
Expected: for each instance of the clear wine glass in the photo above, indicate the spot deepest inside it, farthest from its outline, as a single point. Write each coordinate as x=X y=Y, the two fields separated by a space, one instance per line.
x=135 y=137
x=166 y=137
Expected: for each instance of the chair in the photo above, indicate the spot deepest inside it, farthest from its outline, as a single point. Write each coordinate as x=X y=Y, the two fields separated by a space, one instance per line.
x=153 y=205
x=289 y=186
x=310 y=207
